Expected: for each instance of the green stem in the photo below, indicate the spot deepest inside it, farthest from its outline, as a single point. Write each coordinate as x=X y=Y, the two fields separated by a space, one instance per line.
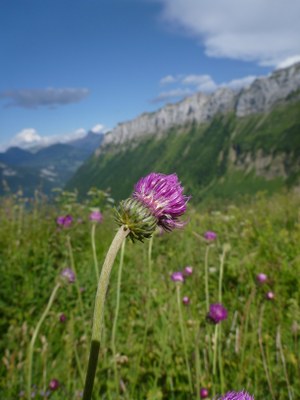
x=220 y=360
x=215 y=349
x=222 y=260
x=114 y=329
x=206 y=279
x=99 y=310
x=94 y=250
x=34 y=336
x=178 y=291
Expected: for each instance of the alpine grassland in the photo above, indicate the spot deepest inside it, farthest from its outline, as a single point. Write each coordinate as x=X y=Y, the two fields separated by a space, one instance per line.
x=194 y=313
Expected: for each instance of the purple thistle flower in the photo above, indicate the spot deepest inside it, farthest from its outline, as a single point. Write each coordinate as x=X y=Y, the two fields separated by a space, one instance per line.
x=261 y=278
x=237 y=396
x=69 y=275
x=217 y=313
x=53 y=384
x=204 y=393
x=163 y=196
x=177 y=277
x=64 y=221
x=188 y=270
x=186 y=300
x=270 y=296
x=62 y=318
x=96 y=216
x=210 y=236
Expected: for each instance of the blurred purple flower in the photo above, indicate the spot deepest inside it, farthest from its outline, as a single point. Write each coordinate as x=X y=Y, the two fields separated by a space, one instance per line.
x=261 y=278
x=64 y=220
x=270 y=296
x=204 y=393
x=188 y=270
x=53 y=384
x=177 y=277
x=96 y=216
x=217 y=313
x=69 y=275
x=210 y=236
x=62 y=318
x=237 y=396
x=163 y=196
x=186 y=300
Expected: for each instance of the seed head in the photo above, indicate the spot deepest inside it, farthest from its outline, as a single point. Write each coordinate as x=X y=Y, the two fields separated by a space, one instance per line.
x=217 y=313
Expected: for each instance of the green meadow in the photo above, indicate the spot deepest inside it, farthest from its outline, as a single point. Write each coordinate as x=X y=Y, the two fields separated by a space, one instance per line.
x=153 y=345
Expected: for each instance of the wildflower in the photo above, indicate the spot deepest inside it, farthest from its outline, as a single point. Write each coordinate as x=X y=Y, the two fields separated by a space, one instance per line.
x=177 y=277
x=186 y=300
x=158 y=200
x=210 y=236
x=96 y=216
x=217 y=313
x=261 y=278
x=64 y=221
x=270 y=296
x=188 y=270
x=62 y=318
x=53 y=384
x=237 y=396
x=69 y=275
x=204 y=393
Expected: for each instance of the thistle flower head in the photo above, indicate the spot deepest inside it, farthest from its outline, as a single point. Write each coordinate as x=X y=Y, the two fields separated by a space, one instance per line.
x=53 y=384
x=261 y=278
x=188 y=270
x=270 y=295
x=69 y=275
x=96 y=216
x=158 y=200
x=163 y=196
x=237 y=396
x=186 y=300
x=64 y=220
x=204 y=393
x=62 y=318
x=177 y=277
x=217 y=313
x=210 y=236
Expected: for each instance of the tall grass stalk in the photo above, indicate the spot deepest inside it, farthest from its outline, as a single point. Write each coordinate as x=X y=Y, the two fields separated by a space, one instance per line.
x=114 y=328
x=183 y=337
x=33 y=339
x=279 y=346
x=263 y=355
x=206 y=278
x=99 y=310
x=93 y=232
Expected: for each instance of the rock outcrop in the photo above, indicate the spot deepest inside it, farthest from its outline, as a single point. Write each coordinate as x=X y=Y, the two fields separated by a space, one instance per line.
x=260 y=96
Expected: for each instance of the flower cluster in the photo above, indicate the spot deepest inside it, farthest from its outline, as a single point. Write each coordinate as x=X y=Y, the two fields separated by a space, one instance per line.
x=157 y=200
x=64 y=221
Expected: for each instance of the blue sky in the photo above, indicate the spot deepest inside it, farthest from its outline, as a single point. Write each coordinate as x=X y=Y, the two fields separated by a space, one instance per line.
x=71 y=65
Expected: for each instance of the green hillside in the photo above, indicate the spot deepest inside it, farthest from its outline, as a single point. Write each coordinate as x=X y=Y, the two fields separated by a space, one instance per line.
x=212 y=160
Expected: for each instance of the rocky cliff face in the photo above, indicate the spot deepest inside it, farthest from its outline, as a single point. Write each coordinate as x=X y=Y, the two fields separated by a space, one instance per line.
x=260 y=96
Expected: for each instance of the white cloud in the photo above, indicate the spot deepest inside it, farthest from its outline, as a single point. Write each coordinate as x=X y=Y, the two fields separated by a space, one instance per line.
x=267 y=32
x=27 y=137
x=168 y=79
x=99 y=128
x=171 y=94
x=288 y=62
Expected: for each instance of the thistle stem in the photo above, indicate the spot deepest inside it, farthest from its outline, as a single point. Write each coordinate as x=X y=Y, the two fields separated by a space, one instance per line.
x=114 y=329
x=93 y=231
x=206 y=279
x=178 y=291
x=34 y=336
x=215 y=349
x=99 y=309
